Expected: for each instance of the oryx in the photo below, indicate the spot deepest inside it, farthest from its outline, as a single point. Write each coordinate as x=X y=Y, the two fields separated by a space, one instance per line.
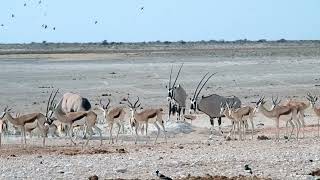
x=176 y=96
x=211 y=104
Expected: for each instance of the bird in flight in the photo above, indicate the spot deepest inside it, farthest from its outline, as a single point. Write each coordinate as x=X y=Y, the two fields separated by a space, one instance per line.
x=2 y=25
x=25 y=4
x=96 y=22
x=12 y=15
x=39 y=2
x=142 y=8
x=54 y=28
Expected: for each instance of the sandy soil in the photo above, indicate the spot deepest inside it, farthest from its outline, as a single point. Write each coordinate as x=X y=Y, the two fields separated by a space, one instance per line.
x=27 y=80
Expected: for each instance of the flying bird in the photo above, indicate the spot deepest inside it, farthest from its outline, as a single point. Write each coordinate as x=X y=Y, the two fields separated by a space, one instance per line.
x=39 y=2
x=142 y=8
x=25 y=4
x=12 y=15
x=96 y=22
x=2 y=25
x=54 y=28
x=45 y=26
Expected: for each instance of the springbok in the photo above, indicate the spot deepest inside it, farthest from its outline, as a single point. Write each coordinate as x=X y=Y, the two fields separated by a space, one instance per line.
x=240 y=115
x=313 y=100
x=145 y=117
x=300 y=106
x=72 y=102
x=37 y=118
x=210 y=105
x=277 y=112
x=177 y=97
x=73 y=117
x=111 y=116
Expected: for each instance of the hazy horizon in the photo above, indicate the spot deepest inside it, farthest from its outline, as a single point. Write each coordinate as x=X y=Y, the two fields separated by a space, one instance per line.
x=125 y=21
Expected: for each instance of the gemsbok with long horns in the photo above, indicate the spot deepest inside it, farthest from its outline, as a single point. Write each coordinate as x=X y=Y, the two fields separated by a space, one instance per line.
x=210 y=105
x=177 y=97
x=144 y=117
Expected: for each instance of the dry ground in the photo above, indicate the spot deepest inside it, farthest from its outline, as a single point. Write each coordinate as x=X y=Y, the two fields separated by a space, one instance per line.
x=282 y=70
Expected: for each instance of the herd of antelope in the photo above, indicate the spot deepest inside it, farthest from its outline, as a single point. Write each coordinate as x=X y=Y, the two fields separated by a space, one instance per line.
x=74 y=111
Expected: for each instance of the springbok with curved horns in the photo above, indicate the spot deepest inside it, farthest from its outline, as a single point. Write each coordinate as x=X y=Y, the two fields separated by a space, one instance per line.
x=72 y=117
x=113 y=116
x=313 y=100
x=277 y=112
x=210 y=105
x=37 y=118
x=72 y=102
x=144 y=117
x=177 y=96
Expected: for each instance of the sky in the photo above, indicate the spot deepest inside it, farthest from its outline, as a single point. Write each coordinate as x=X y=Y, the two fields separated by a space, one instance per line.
x=164 y=20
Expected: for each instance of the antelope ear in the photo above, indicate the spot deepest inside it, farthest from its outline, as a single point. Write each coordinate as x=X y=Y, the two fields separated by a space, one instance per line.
x=166 y=86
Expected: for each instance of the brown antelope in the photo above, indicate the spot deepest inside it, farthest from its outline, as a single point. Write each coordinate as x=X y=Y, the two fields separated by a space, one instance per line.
x=145 y=117
x=72 y=117
x=21 y=122
x=278 y=112
x=313 y=100
x=111 y=116
x=300 y=106
x=240 y=115
x=29 y=127
x=234 y=123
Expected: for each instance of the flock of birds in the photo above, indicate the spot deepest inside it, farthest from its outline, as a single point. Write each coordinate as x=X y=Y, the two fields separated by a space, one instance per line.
x=46 y=26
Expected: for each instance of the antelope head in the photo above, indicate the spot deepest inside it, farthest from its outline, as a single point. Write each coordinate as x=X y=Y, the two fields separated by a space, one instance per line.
x=193 y=100
x=133 y=108
x=275 y=102
x=104 y=107
x=260 y=102
x=172 y=87
x=5 y=111
x=51 y=107
x=312 y=99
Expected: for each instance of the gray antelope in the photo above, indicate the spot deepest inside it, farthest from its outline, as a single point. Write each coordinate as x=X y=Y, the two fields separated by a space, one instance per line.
x=113 y=116
x=290 y=113
x=177 y=97
x=22 y=121
x=210 y=105
x=144 y=117
x=72 y=117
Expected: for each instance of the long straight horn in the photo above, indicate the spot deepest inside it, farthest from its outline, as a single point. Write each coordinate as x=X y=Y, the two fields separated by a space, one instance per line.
x=195 y=92
x=48 y=104
x=55 y=94
x=170 y=77
x=136 y=102
x=177 y=76
x=205 y=83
